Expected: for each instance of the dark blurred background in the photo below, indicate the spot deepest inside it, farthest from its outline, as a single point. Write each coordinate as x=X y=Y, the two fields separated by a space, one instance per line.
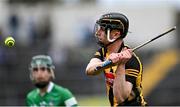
x=63 y=29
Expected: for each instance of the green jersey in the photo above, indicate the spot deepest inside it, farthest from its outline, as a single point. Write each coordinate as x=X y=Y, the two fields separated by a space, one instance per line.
x=55 y=96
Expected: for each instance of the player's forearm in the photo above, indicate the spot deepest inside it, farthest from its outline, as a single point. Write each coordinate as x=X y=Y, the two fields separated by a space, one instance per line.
x=120 y=87
x=91 y=68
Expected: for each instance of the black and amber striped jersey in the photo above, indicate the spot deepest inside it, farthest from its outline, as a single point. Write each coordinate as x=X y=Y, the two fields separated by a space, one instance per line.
x=134 y=71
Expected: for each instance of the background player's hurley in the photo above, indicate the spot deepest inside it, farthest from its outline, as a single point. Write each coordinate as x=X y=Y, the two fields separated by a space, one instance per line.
x=108 y=63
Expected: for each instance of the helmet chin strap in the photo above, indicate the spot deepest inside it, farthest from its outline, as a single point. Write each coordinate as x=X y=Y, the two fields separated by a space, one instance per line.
x=108 y=36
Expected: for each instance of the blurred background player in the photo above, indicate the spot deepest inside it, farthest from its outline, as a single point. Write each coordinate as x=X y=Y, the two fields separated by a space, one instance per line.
x=124 y=78
x=47 y=93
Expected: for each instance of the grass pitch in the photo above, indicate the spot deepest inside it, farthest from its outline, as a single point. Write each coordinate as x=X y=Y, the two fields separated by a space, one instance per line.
x=96 y=100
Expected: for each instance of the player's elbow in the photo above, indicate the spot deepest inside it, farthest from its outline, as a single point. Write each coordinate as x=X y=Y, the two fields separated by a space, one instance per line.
x=120 y=98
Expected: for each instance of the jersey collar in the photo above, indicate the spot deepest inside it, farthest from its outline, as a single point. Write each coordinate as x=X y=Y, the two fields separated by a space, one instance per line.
x=50 y=87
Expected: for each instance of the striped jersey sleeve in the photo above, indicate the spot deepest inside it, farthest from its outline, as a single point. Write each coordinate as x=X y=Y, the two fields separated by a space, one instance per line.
x=99 y=54
x=133 y=69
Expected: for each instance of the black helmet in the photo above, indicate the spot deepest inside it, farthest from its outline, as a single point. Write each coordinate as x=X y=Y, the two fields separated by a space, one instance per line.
x=114 y=21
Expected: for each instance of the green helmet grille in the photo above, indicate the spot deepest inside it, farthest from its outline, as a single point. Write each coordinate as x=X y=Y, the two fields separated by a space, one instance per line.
x=42 y=61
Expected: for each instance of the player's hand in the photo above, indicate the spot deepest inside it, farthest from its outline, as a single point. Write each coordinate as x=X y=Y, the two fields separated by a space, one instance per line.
x=124 y=55
x=114 y=57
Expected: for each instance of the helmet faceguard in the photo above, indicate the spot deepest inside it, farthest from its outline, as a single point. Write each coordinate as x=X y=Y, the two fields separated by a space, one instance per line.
x=112 y=21
x=42 y=61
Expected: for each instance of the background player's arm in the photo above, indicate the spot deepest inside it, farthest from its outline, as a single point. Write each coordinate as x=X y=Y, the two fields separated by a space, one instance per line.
x=29 y=101
x=69 y=99
x=91 y=67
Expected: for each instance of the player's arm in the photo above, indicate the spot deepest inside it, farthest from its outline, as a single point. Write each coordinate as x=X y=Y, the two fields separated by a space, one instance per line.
x=71 y=102
x=93 y=64
x=29 y=101
x=121 y=87
x=69 y=99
